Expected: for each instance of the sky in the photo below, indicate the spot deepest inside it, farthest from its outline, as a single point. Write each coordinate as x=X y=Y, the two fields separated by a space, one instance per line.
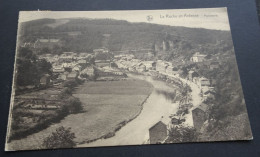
x=209 y=18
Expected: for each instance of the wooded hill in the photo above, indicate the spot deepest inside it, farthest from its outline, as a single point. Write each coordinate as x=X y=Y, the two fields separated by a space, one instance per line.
x=123 y=35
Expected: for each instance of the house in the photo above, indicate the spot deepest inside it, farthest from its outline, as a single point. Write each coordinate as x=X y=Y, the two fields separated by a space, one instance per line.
x=58 y=69
x=161 y=66
x=103 y=72
x=129 y=57
x=158 y=133
x=69 y=65
x=132 y=69
x=112 y=71
x=190 y=73
x=140 y=68
x=102 y=63
x=88 y=70
x=76 y=68
x=65 y=58
x=120 y=64
x=119 y=73
x=72 y=76
x=69 y=53
x=45 y=80
x=197 y=57
x=169 y=70
x=204 y=82
x=84 y=54
x=199 y=116
x=209 y=95
x=63 y=77
x=82 y=62
x=101 y=50
x=213 y=82
x=214 y=65
x=150 y=65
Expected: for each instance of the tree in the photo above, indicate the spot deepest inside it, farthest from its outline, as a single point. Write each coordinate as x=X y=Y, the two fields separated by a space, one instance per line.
x=185 y=72
x=29 y=68
x=25 y=53
x=43 y=67
x=27 y=73
x=73 y=105
x=61 y=138
x=70 y=84
x=65 y=92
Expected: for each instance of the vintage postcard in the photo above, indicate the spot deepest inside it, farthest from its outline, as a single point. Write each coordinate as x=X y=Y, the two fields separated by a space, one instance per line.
x=110 y=78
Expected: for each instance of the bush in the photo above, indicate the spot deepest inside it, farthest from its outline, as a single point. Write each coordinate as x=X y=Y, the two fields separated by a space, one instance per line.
x=182 y=134
x=61 y=138
x=72 y=105
x=70 y=84
x=65 y=92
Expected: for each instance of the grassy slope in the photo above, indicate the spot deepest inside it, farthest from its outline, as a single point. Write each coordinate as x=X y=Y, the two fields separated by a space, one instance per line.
x=103 y=112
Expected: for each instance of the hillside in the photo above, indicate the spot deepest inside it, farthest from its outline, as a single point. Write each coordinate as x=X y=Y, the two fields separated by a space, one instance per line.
x=81 y=35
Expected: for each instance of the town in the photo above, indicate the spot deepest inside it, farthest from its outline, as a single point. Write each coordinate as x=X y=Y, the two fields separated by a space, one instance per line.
x=111 y=82
x=103 y=65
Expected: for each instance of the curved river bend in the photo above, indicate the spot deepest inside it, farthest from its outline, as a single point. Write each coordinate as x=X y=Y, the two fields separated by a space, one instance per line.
x=157 y=107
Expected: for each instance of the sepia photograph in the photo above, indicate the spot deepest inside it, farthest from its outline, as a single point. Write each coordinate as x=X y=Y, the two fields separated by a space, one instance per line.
x=113 y=78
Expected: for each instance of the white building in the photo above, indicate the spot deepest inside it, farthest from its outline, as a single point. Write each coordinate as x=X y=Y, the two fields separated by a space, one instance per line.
x=197 y=57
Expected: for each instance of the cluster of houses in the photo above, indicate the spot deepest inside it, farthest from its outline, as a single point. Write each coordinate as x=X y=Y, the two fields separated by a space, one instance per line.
x=108 y=73
x=69 y=65
x=128 y=62
x=158 y=133
x=206 y=85
x=198 y=57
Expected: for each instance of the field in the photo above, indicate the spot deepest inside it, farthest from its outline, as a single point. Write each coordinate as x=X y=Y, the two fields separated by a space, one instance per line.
x=107 y=107
x=128 y=87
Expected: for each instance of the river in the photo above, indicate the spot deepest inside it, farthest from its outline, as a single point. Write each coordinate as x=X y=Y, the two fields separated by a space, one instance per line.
x=157 y=107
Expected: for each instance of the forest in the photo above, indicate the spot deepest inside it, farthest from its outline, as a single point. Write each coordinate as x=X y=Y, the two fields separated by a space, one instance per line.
x=123 y=35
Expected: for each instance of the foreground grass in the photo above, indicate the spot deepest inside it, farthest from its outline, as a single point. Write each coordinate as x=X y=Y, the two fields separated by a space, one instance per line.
x=106 y=107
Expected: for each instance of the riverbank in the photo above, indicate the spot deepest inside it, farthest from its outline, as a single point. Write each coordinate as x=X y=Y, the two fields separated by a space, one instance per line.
x=157 y=107
x=117 y=103
x=195 y=95
x=117 y=127
x=111 y=105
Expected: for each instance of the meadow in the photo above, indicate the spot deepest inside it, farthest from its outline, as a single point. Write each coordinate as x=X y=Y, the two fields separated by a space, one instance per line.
x=107 y=106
